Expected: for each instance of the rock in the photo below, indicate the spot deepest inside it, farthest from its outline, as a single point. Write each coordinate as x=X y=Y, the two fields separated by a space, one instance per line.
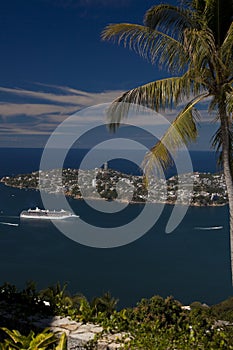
x=79 y=340
x=78 y=334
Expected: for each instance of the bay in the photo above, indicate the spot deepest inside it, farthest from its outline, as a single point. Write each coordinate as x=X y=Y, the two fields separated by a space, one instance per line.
x=190 y=263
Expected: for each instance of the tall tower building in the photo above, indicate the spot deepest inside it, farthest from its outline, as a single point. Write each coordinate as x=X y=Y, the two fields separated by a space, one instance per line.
x=106 y=166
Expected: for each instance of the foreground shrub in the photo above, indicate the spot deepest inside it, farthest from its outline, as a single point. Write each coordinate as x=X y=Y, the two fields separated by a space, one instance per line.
x=42 y=341
x=153 y=324
x=162 y=324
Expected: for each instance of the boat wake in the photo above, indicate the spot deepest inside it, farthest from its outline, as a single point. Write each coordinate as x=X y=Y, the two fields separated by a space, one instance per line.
x=209 y=228
x=9 y=223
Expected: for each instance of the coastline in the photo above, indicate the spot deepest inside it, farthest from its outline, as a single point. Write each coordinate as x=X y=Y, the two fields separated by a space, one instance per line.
x=192 y=204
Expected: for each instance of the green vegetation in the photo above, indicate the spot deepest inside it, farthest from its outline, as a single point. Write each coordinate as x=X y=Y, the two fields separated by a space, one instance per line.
x=154 y=323
x=42 y=341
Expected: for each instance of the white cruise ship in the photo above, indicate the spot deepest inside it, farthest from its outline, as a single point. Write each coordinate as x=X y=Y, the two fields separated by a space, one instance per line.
x=46 y=214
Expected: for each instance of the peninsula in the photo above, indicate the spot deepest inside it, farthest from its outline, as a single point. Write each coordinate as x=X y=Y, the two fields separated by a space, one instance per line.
x=199 y=189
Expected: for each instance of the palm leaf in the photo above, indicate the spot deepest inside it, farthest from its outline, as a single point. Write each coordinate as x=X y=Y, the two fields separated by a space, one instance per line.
x=229 y=102
x=7 y=346
x=204 y=58
x=217 y=145
x=200 y=46
x=16 y=336
x=213 y=107
x=216 y=140
x=213 y=104
x=42 y=340
x=182 y=131
x=226 y=49
x=158 y=95
x=151 y=44
x=170 y=19
x=218 y=17
x=10 y=345
x=62 y=345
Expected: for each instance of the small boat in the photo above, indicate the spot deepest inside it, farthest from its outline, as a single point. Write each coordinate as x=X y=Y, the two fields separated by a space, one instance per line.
x=46 y=214
x=209 y=228
x=8 y=223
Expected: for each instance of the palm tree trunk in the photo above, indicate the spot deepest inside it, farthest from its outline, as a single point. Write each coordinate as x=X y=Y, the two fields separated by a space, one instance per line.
x=226 y=157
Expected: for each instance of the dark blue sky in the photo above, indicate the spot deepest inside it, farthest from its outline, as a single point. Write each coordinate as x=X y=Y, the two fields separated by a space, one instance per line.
x=54 y=63
x=58 y=42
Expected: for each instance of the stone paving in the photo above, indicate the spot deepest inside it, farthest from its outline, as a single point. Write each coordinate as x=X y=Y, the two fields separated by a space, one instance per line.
x=79 y=334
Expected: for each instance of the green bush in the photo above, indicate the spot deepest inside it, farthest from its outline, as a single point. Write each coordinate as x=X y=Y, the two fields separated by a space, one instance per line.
x=224 y=310
x=42 y=341
x=154 y=323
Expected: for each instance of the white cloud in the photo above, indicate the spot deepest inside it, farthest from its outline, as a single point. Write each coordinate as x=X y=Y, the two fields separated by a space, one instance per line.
x=67 y=101
x=25 y=111
x=34 y=114
x=51 y=108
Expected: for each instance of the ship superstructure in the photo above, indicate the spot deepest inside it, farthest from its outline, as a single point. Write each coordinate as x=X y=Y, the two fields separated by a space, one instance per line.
x=46 y=214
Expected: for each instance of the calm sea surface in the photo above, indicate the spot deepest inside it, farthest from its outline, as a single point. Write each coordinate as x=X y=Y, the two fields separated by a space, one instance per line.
x=190 y=264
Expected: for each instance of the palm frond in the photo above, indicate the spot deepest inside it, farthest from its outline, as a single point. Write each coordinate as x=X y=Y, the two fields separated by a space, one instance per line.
x=151 y=44
x=182 y=131
x=62 y=345
x=170 y=19
x=226 y=49
x=204 y=55
x=157 y=95
x=213 y=104
x=218 y=16
x=216 y=140
x=229 y=102
x=216 y=143
x=200 y=46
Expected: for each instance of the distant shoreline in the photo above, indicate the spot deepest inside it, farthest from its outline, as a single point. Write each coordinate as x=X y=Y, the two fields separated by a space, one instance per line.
x=123 y=200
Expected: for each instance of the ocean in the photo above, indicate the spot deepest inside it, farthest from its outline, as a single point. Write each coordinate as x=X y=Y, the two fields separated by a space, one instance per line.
x=191 y=263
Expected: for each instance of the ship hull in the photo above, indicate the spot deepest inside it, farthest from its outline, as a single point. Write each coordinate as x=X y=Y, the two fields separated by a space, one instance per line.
x=40 y=214
x=43 y=217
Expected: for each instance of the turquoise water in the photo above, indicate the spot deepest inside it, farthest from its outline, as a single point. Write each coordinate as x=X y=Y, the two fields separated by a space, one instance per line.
x=190 y=264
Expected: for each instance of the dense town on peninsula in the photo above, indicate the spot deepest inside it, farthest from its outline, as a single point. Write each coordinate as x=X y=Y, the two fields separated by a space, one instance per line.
x=198 y=189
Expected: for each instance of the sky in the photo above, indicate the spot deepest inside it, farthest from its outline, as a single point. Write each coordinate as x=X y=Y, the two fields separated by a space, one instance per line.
x=53 y=63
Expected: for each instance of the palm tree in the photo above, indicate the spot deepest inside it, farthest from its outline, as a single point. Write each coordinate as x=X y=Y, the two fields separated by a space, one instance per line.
x=195 y=42
x=58 y=298
x=105 y=304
